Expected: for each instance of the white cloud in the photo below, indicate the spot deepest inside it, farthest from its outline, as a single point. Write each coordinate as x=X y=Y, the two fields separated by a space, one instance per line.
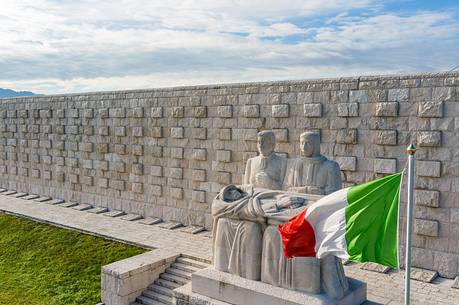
x=68 y=46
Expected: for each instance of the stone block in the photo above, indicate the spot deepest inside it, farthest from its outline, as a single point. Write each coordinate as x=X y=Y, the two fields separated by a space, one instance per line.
x=446 y=264
x=222 y=177
x=136 y=112
x=137 y=150
x=47 y=175
x=137 y=168
x=35 y=173
x=176 y=172
x=137 y=187
x=200 y=112
x=199 y=154
x=346 y=136
x=385 y=166
x=428 y=168
x=225 y=134
x=119 y=131
x=312 y=110
x=426 y=227
x=198 y=196
x=224 y=155
x=88 y=113
x=423 y=275
x=87 y=180
x=358 y=96
x=156 y=170
x=103 y=113
x=156 y=132
x=385 y=137
x=199 y=133
x=281 y=135
x=156 y=112
x=157 y=151
x=347 y=163
x=177 y=112
x=430 y=109
x=71 y=129
x=245 y=134
x=225 y=111
x=398 y=95
x=280 y=111
x=87 y=164
x=200 y=175
x=442 y=93
x=348 y=109
x=119 y=166
x=102 y=165
x=427 y=198
x=117 y=184
x=102 y=183
x=455 y=216
x=156 y=190
x=73 y=178
x=176 y=192
x=72 y=113
x=137 y=131
x=117 y=112
x=177 y=132
x=389 y=109
x=429 y=138
x=85 y=146
x=103 y=131
x=177 y=152
x=251 y=111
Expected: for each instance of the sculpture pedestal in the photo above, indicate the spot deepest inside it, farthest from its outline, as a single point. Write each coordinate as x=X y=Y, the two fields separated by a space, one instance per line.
x=212 y=287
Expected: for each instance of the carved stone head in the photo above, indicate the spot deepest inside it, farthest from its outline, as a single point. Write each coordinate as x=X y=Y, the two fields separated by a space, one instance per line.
x=231 y=193
x=310 y=144
x=266 y=143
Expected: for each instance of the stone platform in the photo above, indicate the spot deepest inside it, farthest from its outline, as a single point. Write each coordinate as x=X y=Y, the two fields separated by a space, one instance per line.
x=210 y=286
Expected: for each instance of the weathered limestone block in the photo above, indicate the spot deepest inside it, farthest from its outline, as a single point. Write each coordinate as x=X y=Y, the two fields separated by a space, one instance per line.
x=88 y=113
x=103 y=113
x=198 y=175
x=429 y=138
x=199 y=154
x=156 y=190
x=47 y=175
x=347 y=163
x=117 y=112
x=251 y=111
x=348 y=109
x=103 y=131
x=88 y=130
x=87 y=164
x=72 y=113
x=73 y=178
x=71 y=129
x=137 y=187
x=446 y=264
x=245 y=134
x=177 y=132
x=280 y=111
x=157 y=132
x=137 y=150
x=224 y=155
x=86 y=146
x=199 y=133
x=398 y=95
x=102 y=148
x=455 y=216
x=312 y=110
x=156 y=170
x=120 y=149
x=389 y=109
x=198 y=196
x=87 y=180
x=281 y=135
x=430 y=109
x=176 y=172
x=200 y=112
x=385 y=137
x=117 y=184
x=225 y=134
x=420 y=94
x=156 y=151
x=136 y=112
x=119 y=131
x=426 y=227
x=427 y=198
x=177 y=112
x=358 y=96
x=156 y=112
x=442 y=93
x=23 y=114
x=35 y=173
x=177 y=152
x=137 y=131
x=346 y=136
x=225 y=111
x=60 y=176
x=428 y=168
x=137 y=168
x=176 y=192
x=119 y=167
x=221 y=177
x=385 y=166
x=102 y=183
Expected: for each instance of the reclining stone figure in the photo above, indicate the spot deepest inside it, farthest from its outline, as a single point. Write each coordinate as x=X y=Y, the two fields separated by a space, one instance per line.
x=246 y=239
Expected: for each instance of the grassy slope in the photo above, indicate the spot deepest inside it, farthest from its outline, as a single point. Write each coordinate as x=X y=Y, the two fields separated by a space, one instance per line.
x=41 y=264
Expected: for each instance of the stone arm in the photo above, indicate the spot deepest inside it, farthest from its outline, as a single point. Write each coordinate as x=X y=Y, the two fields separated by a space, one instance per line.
x=333 y=178
x=247 y=173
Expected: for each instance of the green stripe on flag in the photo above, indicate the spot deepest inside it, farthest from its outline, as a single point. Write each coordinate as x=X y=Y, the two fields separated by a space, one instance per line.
x=371 y=221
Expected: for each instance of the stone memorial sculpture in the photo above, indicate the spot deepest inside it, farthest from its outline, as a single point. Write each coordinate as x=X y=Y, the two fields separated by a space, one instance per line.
x=247 y=242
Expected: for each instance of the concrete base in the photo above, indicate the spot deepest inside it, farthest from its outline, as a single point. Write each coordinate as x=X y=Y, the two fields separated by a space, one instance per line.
x=216 y=286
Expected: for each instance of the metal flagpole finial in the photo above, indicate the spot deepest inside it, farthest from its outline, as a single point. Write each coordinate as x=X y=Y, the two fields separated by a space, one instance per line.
x=411 y=150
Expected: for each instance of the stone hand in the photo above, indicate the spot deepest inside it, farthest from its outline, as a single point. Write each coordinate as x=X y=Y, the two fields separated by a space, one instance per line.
x=290 y=202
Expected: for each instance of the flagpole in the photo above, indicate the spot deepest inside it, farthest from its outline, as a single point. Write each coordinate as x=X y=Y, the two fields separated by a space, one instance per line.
x=411 y=151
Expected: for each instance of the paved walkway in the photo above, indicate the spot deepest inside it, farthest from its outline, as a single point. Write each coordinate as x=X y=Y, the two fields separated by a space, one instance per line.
x=382 y=288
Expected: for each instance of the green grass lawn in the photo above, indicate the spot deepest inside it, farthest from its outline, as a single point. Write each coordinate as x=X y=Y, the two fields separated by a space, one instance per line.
x=45 y=265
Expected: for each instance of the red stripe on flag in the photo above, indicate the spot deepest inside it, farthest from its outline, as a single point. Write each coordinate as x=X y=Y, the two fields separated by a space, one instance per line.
x=298 y=237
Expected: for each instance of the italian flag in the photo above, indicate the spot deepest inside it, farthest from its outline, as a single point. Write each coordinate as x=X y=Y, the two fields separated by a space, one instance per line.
x=359 y=223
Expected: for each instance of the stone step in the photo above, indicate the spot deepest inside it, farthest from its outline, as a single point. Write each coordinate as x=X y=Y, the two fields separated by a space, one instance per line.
x=8 y=193
x=174 y=278
x=97 y=210
x=19 y=195
x=55 y=201
x=165 y=283
x=161 y=289
x=31 y=197
x=178 y=272
x=147 y=301
x=43 y=199
x=151 y=221
x=186 y=268
x=192 y=262
x=68 y=204
x=157 y=296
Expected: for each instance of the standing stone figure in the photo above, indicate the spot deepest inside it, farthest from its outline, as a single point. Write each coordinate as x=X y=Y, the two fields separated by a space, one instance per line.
x=237 y=230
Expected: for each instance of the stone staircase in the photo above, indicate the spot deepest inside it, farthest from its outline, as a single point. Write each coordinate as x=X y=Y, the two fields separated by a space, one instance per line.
x=178 y=274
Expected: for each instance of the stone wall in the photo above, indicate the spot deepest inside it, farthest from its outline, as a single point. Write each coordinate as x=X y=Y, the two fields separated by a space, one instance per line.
x=167 y=152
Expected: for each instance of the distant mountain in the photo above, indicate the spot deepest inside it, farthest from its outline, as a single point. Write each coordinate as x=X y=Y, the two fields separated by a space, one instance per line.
x=12 y=93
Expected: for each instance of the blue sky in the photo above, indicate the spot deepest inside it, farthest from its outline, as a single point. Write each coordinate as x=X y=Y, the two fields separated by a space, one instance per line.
x=56 y=46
